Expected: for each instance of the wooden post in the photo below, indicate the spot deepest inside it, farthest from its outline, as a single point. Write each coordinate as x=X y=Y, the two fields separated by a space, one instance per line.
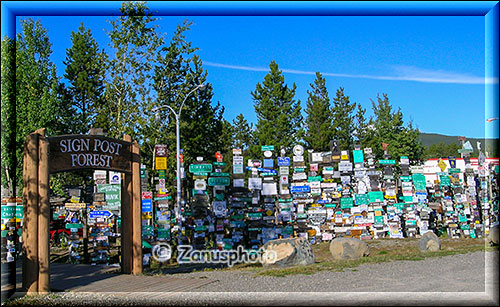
x=30 y=217
x=43 y=215
x=126 y=224
x=136 y=210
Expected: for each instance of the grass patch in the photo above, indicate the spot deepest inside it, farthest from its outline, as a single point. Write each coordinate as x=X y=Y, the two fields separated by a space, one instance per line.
x=381 y=250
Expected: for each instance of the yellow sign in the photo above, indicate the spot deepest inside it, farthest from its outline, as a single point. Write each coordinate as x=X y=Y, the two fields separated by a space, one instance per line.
x=75 y=199
x=442 y=165
x=344 y=157
x=3 y=226
x=160 y=163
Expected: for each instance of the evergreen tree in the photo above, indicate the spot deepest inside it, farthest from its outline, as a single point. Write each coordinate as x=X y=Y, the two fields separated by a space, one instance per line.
x=389 y=128
x=278 y=115
x=8 y=115
x=37 y=98
x=362 y=132
x=242 y=133
x=319 y=117
x=343 y=120
x=134 y=44
x=202 y=130
x=85 y=69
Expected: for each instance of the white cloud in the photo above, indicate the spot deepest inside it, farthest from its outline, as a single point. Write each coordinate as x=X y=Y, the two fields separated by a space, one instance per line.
x=400 y=73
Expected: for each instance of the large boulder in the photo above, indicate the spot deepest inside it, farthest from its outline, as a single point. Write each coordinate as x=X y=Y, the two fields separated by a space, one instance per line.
x=493 y=235
x=287 y=252
x=429 y=242
x=348 y=248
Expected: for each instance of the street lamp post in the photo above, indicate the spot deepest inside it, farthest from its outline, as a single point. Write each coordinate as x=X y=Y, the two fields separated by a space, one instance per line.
x=178 y=144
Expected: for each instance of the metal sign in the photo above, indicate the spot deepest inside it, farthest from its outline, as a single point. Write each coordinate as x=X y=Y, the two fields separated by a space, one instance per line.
x=75 y=206
x=357 y=156
x=298 y=150
x=160 y=150
x=267 y=147
x=213 y=181
x=194 y=168
x=300 y=189
x=160 y=163
x=387 y=161
x=147 y=205
x=283 y=161
x=99 y=214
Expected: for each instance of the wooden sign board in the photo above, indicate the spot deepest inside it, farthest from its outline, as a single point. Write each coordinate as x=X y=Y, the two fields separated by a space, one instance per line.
x=73 y=152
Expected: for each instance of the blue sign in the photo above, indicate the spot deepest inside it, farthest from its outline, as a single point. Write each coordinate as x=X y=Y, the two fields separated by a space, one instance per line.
x=283 y=161
x=99 y=214
x=147 y=205
x=260 y=169
x=300 y=189
x=323 y=201
x=268 y=163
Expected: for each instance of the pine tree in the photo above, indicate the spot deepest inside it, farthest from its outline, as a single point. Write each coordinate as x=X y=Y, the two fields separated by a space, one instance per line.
x=279 y=117
x=85 y=69
x=343 y=120
x=389 y=128
x=318 y=133
x=242 y=133
x=362 y=132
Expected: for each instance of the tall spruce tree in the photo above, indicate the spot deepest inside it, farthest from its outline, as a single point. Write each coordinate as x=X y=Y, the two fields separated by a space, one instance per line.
x=85 y=70
x=318 y=132
x=343 y=120
x=202 y=130
x=388 y=127
x=279 y=119
x=362 y=132
x=242 y=133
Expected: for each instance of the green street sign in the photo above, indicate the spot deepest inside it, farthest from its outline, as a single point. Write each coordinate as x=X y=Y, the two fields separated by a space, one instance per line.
x=19 y=212
x=346 y=202
x=361 y=199
x=201 y=174
x=330 y=206
x=315 y=178
x=267 y=147
x=213 y=181
x=418 y=178
x=161 y=173
x=357 y=156
x=376 y=196
x=194 y=168
x=387 y=161
x=71 y=225
x=465 y=150
x=219 y=163
x=8 y=212
x=454 y=170
x=299 y=169
x=444 y=181
x=302 y=215
x=215 y=174
x=200 y=228
x=405 y=178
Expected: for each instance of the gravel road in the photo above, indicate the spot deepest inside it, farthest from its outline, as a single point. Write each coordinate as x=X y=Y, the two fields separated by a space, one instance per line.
x=466 y=279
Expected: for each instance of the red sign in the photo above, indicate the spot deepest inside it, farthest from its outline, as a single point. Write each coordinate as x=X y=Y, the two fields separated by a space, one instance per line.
x=160 y=150
x=147 y=195
x=181 y=158
x=218 y=156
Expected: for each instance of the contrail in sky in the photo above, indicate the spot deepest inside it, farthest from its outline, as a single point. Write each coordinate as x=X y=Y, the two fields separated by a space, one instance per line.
x=401 y=73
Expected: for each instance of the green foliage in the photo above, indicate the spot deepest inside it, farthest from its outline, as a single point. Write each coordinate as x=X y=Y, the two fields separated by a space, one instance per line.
x=343 y=120
x=242 y=133
x=134 y=45
x=362 y=134
x=85 y=68
x=202 y=129
x=37 y=98
x=318 y=133
x=279 y=118
x=8 y=114
x=387 y=126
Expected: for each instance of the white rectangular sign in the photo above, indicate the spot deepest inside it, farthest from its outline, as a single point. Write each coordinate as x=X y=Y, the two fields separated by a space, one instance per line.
x=255 y=183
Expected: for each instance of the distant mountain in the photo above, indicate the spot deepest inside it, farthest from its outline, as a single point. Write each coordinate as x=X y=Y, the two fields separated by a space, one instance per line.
x=427 y=139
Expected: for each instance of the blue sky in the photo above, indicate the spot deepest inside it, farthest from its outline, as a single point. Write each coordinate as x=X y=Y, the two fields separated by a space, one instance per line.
x=432 y=67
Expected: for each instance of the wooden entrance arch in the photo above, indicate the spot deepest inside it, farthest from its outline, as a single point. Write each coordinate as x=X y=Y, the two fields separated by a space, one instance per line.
x=44 y=155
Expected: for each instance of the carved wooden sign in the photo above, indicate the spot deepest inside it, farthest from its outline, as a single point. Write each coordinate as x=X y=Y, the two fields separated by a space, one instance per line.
x=72 y=152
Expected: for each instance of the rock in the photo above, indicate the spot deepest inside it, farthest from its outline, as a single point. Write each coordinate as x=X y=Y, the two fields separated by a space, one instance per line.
x=348 y=248
x=429 y=242
x=493 y=235
x=287 y=252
